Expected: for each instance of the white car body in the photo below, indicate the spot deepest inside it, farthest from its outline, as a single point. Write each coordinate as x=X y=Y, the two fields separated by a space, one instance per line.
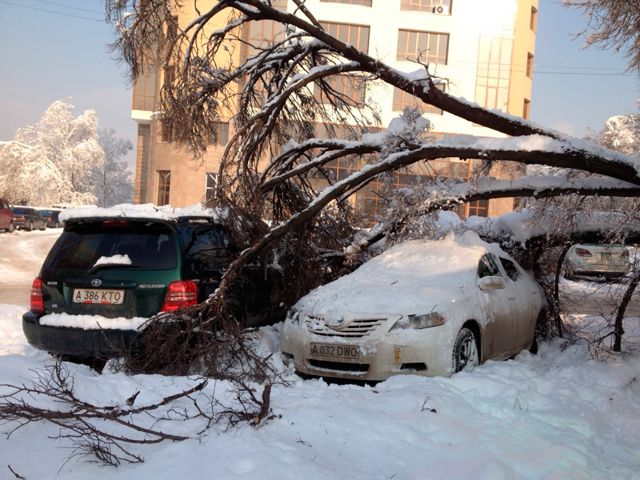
x=345 y=329
x=597 y=260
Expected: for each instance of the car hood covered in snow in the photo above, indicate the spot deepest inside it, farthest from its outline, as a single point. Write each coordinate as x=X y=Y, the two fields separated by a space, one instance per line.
x=413 y=277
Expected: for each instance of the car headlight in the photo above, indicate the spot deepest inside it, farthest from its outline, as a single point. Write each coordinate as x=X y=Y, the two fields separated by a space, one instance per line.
x=293 y=317
x=427 y=320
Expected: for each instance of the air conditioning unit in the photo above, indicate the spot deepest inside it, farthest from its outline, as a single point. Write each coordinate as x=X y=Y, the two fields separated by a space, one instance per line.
x=441 y=10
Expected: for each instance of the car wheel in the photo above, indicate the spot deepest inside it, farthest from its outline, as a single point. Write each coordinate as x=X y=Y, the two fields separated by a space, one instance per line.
x=465 y=351
x=11 y=228
x=568 y=273
x=30 y=226
x=94 y=363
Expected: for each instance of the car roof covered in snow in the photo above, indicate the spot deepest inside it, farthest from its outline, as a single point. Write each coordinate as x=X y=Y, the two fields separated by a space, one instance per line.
x=144 y=211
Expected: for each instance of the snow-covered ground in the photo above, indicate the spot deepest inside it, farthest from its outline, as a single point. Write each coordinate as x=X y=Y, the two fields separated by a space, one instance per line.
x=559 y=414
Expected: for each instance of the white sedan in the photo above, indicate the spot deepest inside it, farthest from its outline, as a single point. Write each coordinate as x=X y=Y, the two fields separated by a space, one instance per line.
x=427 y=307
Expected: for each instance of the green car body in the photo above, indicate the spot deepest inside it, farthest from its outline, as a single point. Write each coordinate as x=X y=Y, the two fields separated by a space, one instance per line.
x=122 y=268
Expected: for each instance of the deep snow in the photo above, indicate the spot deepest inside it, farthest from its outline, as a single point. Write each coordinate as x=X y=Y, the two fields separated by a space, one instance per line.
x=559 y=414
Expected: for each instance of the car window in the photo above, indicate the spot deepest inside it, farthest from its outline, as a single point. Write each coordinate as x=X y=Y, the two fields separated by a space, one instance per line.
x=510 y=269
x=208 y=249
x=488 y=266
x=147 y=247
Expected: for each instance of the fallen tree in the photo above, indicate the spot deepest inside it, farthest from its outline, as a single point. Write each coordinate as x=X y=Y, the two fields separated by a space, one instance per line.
x=272 y=163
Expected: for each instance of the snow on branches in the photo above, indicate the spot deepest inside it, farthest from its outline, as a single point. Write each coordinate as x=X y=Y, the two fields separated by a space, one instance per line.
x=293 y=121
x=53 y=161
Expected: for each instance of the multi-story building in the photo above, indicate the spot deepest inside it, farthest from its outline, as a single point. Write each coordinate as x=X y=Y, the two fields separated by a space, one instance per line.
x=484 y=50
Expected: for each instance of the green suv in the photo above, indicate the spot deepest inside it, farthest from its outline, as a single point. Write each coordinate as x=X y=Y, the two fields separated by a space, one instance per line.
x=106 y=275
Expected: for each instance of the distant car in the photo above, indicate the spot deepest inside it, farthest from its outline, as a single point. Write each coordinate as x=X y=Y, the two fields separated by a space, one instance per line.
x=597 y=260
x=26 y=218
x=425 y=307
x=51 y=217
x=109 y=272
x=6 y=216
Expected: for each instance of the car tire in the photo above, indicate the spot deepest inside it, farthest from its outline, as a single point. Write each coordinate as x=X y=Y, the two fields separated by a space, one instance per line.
x=94 y=363
x=11 y=228
x=30 y=227
x=568 y=273
x=465 y=350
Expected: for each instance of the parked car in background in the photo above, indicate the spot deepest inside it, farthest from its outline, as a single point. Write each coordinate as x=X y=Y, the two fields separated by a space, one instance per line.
x=425 y=307
x=597 y=260
x=26 y=218
x=109 y=272
x=6 y=216
x=51 y=217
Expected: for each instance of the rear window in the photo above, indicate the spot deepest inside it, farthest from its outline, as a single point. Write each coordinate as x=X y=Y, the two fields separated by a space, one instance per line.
x=149 y=247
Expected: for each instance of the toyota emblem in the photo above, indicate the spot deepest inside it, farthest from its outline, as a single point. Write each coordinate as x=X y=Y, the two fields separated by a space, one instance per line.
x=96 y=282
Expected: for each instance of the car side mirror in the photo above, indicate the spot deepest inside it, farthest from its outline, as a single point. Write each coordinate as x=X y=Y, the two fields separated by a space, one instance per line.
x=491 y=283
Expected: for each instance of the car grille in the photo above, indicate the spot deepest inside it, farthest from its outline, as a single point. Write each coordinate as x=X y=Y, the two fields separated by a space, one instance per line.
x=358 y=328
x=339 y=366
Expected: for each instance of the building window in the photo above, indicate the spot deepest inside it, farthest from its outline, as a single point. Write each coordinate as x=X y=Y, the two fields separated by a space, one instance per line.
x=494 y=72
x=166 y=133
x=529 y=65
x=356 y=35
x=169 y=77
x=263 y=33
x=211 y=186
x=479 y=208
x=144 y=89
x=219 y=133
x=349 y=86
x=533 y=20
x=172 y=28
x=526 y=109
x=164 y=186
x=441 y=7
x=428 y=47
x=366 y=3
x=402 y=100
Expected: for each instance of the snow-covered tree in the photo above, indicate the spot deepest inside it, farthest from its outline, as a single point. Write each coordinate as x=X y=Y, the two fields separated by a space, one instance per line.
x=54 y=161
x=114 y=181
x=622 y=133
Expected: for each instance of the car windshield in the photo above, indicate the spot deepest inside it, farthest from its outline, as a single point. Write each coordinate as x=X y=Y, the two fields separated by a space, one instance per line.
x=21 y=211
x=151 y=247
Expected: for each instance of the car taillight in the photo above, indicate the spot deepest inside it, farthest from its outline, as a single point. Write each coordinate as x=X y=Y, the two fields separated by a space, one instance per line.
x=583 y=252
x=180 y=294
x=37 y=300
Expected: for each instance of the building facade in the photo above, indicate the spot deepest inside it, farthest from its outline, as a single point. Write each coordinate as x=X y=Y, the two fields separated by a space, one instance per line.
x=484 y=50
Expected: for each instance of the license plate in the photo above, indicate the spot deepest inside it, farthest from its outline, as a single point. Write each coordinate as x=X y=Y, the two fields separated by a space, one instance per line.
x=99 y=296
x=348 y=352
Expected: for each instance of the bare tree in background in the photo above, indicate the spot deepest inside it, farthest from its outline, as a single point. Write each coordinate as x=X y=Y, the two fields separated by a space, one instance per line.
x=612 y=24
x=114 y=180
